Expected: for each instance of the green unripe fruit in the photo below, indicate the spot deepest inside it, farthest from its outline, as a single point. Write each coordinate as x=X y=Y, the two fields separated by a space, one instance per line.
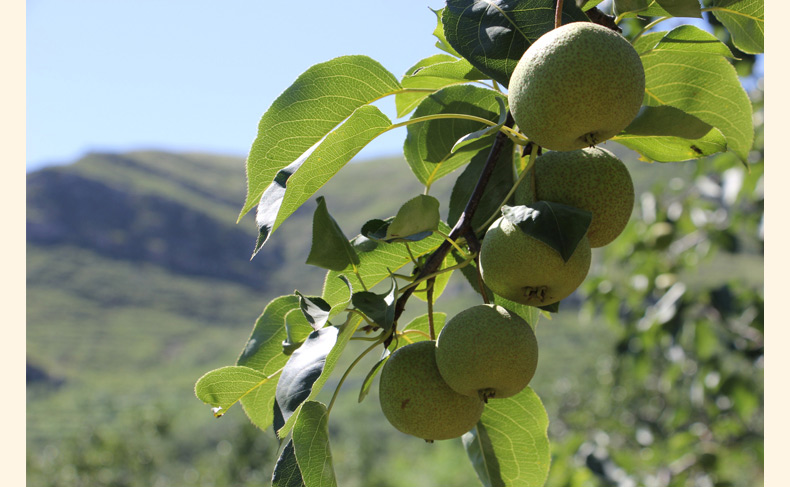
x=592 y=179
x=417 y=401
x=525 y=270
x=576 y=86
x=487 y=351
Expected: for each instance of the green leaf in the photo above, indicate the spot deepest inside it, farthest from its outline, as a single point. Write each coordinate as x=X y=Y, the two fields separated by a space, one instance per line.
x=432 y=74
x=343 y=334
x=688 y=70
x=530 y=314
x=303 y=369
x=263 y=351
x=510 y=445
x=429 y=145
x=439 y=282
x=295 y=183
x=624 y=6
x=745 y=19
x=330 y=248
x=315 y=309
x=438 y=32
x=286 y=470
x=311 y=446
x=484 y=132
x=502 y=179
x=494 y=35
x=418 y=215
x=586 y=5
x=422 y=324
x=559 y=226
x=368 y=382
x=319 y=99
x=226 y=386
x=681 y=8
x=379 y=308
x=666 y=134
x=376 y=264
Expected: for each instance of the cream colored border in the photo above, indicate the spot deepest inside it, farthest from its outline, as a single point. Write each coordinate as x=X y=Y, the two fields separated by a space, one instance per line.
x=12 y=137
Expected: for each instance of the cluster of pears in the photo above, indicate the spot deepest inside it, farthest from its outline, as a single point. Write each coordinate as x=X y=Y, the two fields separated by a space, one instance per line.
x=576 y=86
x=437 y=390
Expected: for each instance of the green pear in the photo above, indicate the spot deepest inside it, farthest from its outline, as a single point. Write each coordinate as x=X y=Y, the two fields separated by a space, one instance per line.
x=487 y=351
x=525 y=270
x=417 y=401
x=592 y=179
x=576 y=86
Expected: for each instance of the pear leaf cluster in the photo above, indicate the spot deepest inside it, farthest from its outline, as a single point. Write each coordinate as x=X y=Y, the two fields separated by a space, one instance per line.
x=512 y=109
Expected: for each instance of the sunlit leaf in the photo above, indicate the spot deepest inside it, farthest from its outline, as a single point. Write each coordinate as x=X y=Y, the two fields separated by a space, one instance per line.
x=311 y=445
x=319 y=99
x=295 y=183
x=510 y=445
x=745 y=19
x=688 y=69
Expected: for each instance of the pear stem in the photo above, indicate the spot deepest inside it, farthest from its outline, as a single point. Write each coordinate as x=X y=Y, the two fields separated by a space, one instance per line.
x=558 y=14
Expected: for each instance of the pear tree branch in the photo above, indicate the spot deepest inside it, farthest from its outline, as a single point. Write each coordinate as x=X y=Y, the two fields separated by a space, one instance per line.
x=463 y=227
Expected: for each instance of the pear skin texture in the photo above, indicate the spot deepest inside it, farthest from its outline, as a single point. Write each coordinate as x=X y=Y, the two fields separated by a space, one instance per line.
x=576 y=86
x=487 y=351
x=417 y=401
x=592 y=179
x=525 y=270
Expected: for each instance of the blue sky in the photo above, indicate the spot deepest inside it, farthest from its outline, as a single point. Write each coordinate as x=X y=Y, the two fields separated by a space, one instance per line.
x=195 y=75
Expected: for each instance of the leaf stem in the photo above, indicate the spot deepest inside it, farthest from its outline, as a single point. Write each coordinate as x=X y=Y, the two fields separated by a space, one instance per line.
x=648 y=27
x=348 y=371
x=429 y=298
x=461 y=251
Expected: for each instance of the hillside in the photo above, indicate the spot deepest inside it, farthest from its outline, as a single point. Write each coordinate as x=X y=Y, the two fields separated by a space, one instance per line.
x=139 y=280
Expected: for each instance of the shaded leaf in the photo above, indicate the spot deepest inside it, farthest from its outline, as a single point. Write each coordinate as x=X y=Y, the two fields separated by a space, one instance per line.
x=286 y=470
x=559 y=226
x=439 y=282
x=303 y=369
x=330 y=248
x=315 y=309
x=379 y=308
x=681 y=8
x=688 y=69
x=502 y=179
x=319 y=99
x=666 y=134
x=494 y=35
x=417 y=216
x=311 y=445
x=745 y=19
x=295 y=183
x=510 y=445
x=429 y=145
x=342 y=335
